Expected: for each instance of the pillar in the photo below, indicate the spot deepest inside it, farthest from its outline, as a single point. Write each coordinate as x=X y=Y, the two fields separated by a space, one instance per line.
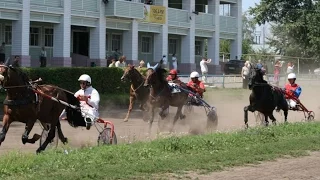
x=161 y=39
x=214 y=42
x=97 y=51
x=236 y=44
x=130 y=44
x=62 y=38
x=187 y=64
x=21 y=35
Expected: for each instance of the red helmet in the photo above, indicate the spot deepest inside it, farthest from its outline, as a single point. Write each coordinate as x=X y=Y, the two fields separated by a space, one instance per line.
x=173 y=72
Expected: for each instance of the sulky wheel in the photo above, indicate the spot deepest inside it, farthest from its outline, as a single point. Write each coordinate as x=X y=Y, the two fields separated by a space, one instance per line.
x=104 y=137
x=53 y=143
x=310 y=116
x=212 y=119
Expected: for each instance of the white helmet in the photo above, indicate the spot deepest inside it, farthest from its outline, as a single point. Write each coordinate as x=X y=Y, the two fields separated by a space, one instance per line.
x=85 y=77
x=194 y=74
x=292 y=76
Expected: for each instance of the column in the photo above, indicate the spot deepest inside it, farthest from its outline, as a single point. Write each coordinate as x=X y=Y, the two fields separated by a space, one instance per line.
x=187 y=64
x=130 y=44
x=97 y=38
x=62 y=38
x=161 y=40
x=21 y=35
x=236 y=45
x=214 y=42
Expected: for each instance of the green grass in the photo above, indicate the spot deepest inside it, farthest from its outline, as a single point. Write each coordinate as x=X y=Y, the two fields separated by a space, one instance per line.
x=203 y=153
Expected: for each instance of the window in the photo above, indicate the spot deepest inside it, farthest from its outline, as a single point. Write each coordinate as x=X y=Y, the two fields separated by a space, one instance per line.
x=198 y=48
x=146 y=44
x=116 y=42
x=8 y=34
x=48 y=37
x=172 y=46
x=34 y=36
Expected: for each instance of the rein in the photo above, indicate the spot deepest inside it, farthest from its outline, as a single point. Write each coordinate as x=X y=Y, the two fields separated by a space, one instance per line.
x=134 y=90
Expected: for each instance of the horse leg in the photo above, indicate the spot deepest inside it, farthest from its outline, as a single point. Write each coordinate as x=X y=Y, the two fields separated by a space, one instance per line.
x=6 y=121
x=274 y=121
x=50 y=137
x=246 y=109
x=176 y=117
x=151 y=119
x=62 y=138
x=25 y=136
x=132 y=98
x=266 y=121
x=285 y=112
x=163 y=109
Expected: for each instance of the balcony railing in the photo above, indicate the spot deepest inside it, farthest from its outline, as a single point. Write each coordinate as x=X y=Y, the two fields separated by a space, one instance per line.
x=127 y=9
x=228 y=24
x=178 y=17
x=205 y=21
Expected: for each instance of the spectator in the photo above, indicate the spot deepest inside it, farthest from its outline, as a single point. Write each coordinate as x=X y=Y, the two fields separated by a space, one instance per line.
x=2 y=52
x=204 y=68
x=16 y=61
x=245 y=74
x=163 y=61
x=277 y=70
x=113 y=63
x=290 y=68
x=141 y=64
x=122 y=62
x=259 y=64
x=174 y=62
x=43 y=57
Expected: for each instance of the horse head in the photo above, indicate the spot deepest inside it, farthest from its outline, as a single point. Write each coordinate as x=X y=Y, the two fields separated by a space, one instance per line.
x=255 y=76
x=130 y=73
x=151 y=75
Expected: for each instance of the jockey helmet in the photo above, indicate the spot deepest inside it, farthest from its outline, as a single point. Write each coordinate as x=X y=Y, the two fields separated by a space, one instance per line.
x=173 y=72
x=85 y=77
x=194 y=74
x=292 y=76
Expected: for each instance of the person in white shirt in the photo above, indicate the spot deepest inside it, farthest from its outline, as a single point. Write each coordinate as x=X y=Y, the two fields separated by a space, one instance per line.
x=89 y=101
x=163 y=61
x=204 y=68
x=245 y=74
x=290 y=68
x=121 y=62
x=174 y=62
x=43 y=57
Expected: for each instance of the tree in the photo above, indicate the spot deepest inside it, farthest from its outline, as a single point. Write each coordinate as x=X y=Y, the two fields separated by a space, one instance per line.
x=296 y=26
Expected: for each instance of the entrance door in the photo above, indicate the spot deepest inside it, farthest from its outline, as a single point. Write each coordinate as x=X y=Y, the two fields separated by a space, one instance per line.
x=81 y=43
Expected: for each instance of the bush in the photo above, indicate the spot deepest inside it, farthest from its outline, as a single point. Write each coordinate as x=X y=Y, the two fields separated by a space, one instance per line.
x=105 y=80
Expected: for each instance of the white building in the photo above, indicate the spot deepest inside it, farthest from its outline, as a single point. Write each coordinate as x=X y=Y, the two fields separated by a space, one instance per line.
x=261 y=35
x=78 y=32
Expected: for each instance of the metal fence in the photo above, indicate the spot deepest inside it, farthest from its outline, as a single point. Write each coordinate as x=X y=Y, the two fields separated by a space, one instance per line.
x=235 y=81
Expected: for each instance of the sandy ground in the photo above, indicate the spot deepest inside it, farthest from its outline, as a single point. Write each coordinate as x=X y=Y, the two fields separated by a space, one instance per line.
x=230 y=112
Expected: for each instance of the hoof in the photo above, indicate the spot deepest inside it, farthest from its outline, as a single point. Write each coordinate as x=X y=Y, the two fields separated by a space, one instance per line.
x=39 y=150
x=183 y=116
x=65 y=141
x=24 y=140
x=125 y=120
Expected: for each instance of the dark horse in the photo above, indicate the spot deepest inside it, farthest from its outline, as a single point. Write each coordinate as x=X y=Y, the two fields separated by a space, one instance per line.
x=22 y=104
x=137 y=90
x=264 y=97
x=161 y=96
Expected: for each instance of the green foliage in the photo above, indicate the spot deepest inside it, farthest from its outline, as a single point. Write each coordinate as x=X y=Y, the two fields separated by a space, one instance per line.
x=105 y=80
x=140 y=160
x=295 y=25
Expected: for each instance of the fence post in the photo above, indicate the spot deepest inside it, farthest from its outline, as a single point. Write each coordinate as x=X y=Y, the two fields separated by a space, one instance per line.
x=223 y=80
x=298 y=65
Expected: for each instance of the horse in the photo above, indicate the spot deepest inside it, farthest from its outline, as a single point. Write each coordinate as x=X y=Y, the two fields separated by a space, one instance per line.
x=264 y=98
x=161 y=96
x=23 y=104
x=137 y=90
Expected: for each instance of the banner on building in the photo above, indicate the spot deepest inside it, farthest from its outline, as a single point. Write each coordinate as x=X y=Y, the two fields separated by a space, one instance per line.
x=154 y=14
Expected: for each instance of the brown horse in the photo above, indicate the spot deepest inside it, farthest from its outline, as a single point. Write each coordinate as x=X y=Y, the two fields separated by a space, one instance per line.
x=137 y=90
x=22 y=104
x=161 y=96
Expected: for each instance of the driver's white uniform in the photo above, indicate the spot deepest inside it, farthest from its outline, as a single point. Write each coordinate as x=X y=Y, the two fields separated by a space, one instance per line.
x=89 y=109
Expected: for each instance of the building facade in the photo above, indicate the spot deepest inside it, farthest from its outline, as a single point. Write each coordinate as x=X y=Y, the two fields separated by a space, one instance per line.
x=79 y=32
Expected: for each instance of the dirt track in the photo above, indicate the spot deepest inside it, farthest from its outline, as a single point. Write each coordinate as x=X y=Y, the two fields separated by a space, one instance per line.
x=230 y=112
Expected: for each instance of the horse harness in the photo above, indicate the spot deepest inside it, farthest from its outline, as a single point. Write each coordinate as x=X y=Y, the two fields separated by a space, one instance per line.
x=25 y=100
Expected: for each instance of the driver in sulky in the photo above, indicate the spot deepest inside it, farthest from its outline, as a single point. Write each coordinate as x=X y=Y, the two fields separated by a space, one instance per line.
x=89 y=100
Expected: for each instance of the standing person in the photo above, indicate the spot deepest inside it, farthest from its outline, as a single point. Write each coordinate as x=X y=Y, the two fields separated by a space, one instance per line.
x=43 y=57
x=290 y=68
x=174 y=62
x=204 y=68
x=2 y=52
x=277 y=70
x=113 y=63
x=163 y=61
x=16 y=61
x=122 y=62
x=245 y=75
